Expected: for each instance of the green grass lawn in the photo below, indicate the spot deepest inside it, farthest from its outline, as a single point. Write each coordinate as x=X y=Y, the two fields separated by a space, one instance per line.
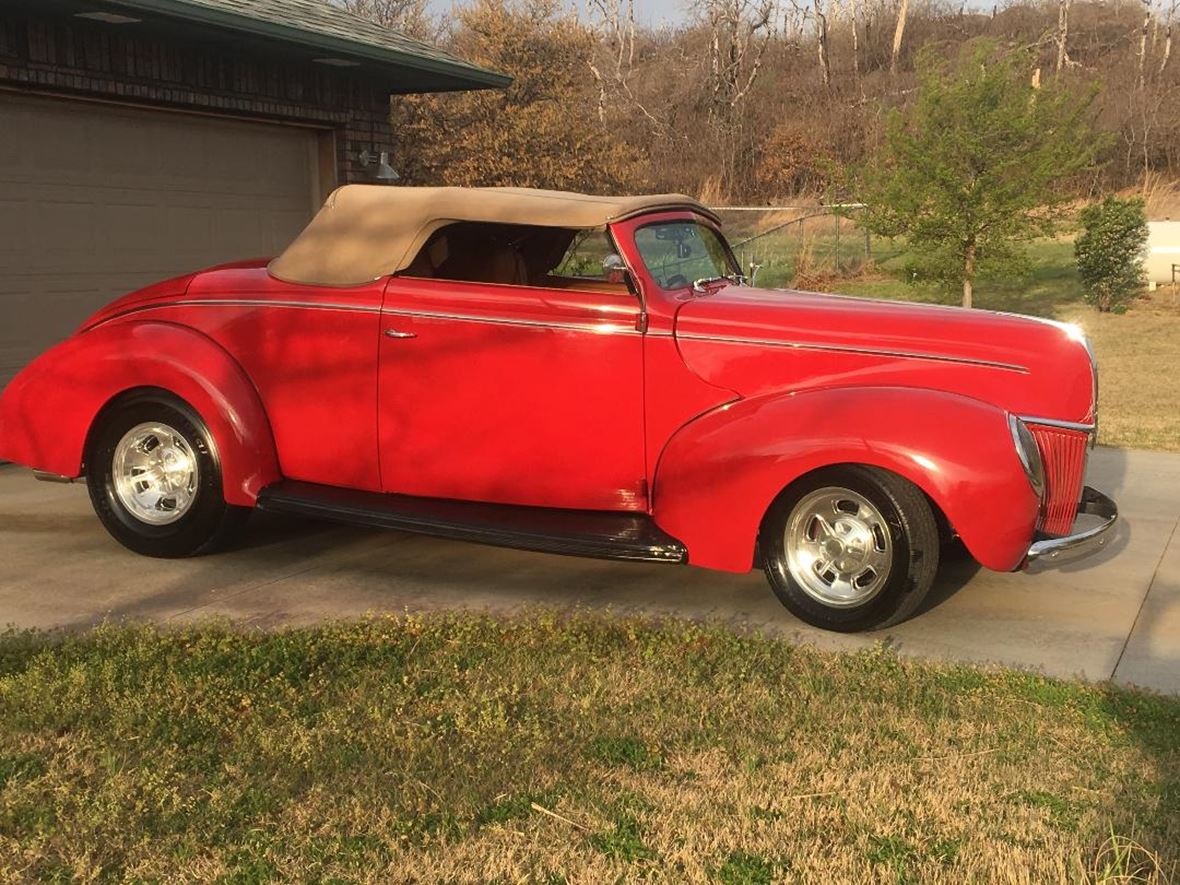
x=595 y=749
x=1138 y=352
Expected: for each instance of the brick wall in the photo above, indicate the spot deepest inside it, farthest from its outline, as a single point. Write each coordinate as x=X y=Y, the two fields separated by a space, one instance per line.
x=79 y=58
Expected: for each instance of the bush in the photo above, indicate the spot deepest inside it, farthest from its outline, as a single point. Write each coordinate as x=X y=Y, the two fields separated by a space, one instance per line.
x=1110 y=252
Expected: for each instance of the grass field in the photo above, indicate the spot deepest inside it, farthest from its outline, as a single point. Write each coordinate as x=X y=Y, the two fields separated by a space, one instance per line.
x=1138 y=352
x=591 y=750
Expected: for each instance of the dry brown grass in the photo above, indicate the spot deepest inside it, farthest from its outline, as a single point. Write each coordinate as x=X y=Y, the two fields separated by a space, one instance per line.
x=466 y=749
x=1139 y=371
x=1161 y=196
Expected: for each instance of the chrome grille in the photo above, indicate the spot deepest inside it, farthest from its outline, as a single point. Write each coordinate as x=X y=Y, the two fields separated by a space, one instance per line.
x=1064 y=454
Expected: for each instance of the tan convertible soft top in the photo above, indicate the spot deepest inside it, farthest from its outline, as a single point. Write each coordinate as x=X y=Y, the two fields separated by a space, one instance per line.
x=364 y=232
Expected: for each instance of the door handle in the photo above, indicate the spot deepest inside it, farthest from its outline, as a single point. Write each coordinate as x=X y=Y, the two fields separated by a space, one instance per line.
x=394 y=333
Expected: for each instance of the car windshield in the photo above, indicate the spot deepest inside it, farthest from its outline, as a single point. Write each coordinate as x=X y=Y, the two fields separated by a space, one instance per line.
x=679 y=253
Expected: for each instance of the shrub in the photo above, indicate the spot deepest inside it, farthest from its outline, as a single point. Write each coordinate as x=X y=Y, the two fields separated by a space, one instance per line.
x=1110 y=252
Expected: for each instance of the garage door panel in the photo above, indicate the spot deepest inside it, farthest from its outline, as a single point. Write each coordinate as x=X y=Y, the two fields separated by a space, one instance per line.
x=98 y=200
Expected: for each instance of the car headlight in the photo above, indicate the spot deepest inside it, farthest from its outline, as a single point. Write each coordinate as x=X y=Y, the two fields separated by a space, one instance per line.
x=1029 y=453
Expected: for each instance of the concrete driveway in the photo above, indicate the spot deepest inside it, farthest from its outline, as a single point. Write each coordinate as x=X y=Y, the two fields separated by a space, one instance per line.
x=1113 y=615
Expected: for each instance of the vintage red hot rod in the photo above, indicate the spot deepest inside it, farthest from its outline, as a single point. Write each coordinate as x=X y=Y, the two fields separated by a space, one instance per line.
x=571 y=374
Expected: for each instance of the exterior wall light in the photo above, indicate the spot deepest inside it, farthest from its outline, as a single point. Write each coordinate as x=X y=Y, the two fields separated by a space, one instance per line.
x=384 y=172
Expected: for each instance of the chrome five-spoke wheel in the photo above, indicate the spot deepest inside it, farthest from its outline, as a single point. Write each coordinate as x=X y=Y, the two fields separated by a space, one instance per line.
x=155 y=473
x=850 y=547
x=838 y=547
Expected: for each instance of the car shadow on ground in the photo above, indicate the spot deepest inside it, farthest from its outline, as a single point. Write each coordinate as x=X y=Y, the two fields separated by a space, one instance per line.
x=956 y=568
x=314 y=562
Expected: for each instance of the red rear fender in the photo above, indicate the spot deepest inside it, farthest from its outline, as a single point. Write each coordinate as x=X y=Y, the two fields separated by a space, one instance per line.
x=718 y=475
x=47 y=411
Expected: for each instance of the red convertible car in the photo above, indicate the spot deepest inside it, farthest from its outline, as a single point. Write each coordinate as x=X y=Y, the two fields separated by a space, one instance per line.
x=572 y=374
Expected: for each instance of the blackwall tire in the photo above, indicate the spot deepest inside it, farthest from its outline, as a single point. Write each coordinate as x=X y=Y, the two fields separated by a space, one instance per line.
x=850 y=548
x=154 y=479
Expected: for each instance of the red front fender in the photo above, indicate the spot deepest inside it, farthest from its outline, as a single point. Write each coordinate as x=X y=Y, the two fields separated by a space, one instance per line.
x=46 y=412
x=718 y=475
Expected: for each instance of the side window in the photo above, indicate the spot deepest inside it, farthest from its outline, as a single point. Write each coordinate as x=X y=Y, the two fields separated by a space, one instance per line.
x=475 y=253
x=583 y=259
x=520 y=255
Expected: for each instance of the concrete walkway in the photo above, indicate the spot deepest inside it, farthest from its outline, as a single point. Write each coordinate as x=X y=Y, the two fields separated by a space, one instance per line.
x=1113 y=615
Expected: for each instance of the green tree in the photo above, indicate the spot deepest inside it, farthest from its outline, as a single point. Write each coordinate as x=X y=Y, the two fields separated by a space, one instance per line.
x=978 y=164
x=1110 y=251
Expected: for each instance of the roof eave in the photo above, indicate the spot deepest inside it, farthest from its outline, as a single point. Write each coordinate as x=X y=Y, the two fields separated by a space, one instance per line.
x=456 y=75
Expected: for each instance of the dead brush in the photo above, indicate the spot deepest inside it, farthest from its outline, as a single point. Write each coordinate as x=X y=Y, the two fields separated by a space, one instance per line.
x=1161 y=196
x=818 y=272
x=1122 y=859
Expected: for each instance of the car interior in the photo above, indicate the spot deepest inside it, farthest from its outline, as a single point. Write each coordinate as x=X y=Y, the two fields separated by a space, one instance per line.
x=517 y=255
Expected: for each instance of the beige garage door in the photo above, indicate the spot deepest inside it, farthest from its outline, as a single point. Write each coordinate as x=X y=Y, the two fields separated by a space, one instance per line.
x=97 y=200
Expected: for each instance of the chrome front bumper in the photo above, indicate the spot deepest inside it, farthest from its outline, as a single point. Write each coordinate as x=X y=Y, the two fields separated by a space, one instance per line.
x=1093 y=503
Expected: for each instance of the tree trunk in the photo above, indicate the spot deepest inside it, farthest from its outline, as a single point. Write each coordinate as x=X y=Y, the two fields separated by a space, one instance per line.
x=968 y=274
x=1167 y=40
x=1062 y=32
x=898 y=33
x=1143 y=45
x=855 y=39
x=821 y=34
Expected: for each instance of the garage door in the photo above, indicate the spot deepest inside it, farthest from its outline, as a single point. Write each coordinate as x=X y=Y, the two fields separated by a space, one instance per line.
x=98 y=200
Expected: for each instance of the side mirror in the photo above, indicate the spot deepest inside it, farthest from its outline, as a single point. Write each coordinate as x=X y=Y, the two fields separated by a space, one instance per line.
x=613 y=269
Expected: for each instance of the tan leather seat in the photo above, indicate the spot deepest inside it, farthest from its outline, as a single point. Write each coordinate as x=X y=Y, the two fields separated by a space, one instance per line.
x=505 y=265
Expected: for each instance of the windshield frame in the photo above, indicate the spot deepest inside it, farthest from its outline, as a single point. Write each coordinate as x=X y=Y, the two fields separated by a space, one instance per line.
x=697 y=221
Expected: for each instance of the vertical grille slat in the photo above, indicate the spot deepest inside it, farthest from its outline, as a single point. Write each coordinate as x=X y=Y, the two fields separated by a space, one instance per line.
x=1064 y=455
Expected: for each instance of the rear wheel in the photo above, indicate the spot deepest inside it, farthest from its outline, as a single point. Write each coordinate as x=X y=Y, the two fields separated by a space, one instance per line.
x=850 y=548
x=155 y=480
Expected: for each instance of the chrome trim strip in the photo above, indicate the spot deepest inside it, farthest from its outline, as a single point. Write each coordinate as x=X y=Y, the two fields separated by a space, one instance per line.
x=1093 y=503
x=266 y=302
x=240 y=302
x=607 y=327
x=844 y=348
x=1054 y=422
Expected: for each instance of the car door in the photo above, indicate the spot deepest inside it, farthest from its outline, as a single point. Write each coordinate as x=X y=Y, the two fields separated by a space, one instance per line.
x=512 y=394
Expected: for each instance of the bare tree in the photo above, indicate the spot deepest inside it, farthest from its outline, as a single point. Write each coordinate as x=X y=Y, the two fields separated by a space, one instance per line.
x=821 y=41
x=411 y=17
x=1062 y=32
x=854 y=12
x=898 y=32
x=739 y=33
x=613 y=65
x=1167 y=53
x=1143 y=44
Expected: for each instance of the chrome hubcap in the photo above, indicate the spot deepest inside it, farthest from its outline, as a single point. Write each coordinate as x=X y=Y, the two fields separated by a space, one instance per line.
x=155 y=473
x=838 y=547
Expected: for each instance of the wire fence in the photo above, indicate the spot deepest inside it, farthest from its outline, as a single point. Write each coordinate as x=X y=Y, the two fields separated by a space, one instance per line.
x=777 y=245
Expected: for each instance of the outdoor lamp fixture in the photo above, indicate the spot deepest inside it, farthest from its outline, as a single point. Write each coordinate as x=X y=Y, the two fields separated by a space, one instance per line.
x=384 y=172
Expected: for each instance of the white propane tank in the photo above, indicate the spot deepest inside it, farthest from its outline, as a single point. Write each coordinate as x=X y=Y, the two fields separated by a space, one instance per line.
x=1163 y=251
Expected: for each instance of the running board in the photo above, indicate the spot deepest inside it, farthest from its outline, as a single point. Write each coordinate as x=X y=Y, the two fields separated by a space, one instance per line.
x=599 y=534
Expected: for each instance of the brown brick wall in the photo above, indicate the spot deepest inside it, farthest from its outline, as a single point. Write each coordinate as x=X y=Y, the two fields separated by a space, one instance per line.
x=91 y=60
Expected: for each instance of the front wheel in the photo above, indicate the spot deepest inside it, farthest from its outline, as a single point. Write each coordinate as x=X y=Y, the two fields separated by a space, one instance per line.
x=155 y=480
x=850 y=548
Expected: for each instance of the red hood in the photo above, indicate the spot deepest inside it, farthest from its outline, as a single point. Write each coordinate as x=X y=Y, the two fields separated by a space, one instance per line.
x=758 y=340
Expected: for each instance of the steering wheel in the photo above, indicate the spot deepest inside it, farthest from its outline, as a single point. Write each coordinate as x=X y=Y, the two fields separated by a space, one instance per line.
x=676 y=281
